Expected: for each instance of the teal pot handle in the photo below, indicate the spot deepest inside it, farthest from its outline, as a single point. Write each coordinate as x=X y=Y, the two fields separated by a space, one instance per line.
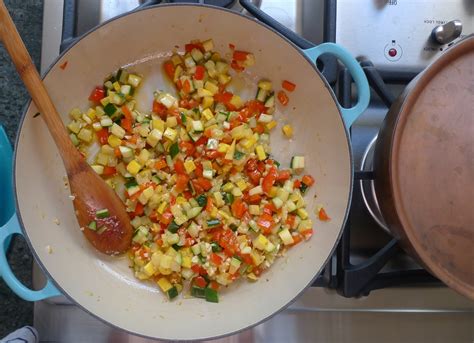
x=348 y=114
x=10 y=226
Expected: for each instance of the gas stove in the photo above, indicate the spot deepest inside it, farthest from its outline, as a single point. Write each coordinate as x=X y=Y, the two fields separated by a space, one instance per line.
x=370 y=287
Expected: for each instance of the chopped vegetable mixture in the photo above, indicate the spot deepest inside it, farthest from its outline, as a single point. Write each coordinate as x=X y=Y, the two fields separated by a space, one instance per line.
x=208 y=202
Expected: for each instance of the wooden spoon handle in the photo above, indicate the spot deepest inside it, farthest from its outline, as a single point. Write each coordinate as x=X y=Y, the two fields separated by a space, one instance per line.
x=28 y=73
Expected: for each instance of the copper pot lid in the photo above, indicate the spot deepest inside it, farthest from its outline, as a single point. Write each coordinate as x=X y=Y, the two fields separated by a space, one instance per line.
x=432 y=167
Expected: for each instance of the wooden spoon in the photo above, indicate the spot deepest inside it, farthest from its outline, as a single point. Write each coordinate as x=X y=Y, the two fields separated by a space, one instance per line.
x=111 y=232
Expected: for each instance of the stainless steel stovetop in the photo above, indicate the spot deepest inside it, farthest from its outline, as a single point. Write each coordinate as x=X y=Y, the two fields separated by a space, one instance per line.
x=409 y=314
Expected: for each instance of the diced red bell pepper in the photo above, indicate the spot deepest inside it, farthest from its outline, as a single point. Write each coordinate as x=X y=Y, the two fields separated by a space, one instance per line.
x=187 y=148
x=239 y=55
x=179 y=166
x=223 y=97
x=255 y=107
x=209 y=205
x=269 y=180
x=236 y=66
x=308 y=180
x=323 y=215
x=199 y=280
x=204 y=183
x=238 y=208
x=190 y=46
x=216 y=259
x=126 y=124
x=181 y=182
x=97 y=94
x=265 y=222
x=102 y=135
x=169 y=69
x=139 y=209
x=283 y=98
x=159 y=109
x=199 y=73
x=289 y=86
x=108 y=171
x=283 y=175
x=290 y=220
x=166 y=218
x=160 y=164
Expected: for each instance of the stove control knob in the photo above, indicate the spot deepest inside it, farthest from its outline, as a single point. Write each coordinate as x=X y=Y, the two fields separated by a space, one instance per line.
x=444 y=34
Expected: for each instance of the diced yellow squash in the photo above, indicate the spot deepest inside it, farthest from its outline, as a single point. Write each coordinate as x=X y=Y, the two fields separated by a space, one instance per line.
x=211 y=87
x=114 y=141
x=186 y=262
x=260 y=152
x=134 y=167
x=248 y=143
x=287 y=131
x=102 y=159
x=224 y=79
x=170 y=134
x=207 y=102
x=164 y=284
x=222 y=147
x=302 y=213
x=254 y=210
x=271 y=125
x=241 y=184
x=176 y=59
x=228 y=187
x=85 y=135
x=265 y=85
x=154 y=137
x=161 y=209
x=202 y=92
x=260 y=242
x=207 y=114
x=230 y=153
x=91 y=113
x=208 y=45
x=180 y=200
x=236 y=101
x=158 y=124
x=98 y=169
x=189 y=166
x=144 y=156
x=218 y=198
x=149 y=269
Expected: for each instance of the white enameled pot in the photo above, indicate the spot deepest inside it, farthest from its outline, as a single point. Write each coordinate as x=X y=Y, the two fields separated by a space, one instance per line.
x=105 y=286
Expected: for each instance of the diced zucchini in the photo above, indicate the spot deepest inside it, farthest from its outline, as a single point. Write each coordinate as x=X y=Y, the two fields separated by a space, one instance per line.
x=196 y=55
x=211 y=295
x=208 y=45
x=134 y=80
x=261 y=95
x=117 y=131
x=103 y=213
x=270 y=102
x=193 y=212
x=286 y=237
x=174 y=150
x=297 y=163
x=197 y=126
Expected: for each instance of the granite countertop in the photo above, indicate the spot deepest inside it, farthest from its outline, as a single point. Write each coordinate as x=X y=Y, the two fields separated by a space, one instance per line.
x=28 y=17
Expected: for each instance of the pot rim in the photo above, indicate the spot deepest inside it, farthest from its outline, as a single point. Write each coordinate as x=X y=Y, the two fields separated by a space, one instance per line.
x=271 y=30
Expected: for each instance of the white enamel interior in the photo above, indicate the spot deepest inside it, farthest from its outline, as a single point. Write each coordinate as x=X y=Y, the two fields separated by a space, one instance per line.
x=105 y=286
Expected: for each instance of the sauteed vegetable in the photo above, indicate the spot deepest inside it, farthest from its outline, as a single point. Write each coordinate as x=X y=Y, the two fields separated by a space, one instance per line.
x=208 y=202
